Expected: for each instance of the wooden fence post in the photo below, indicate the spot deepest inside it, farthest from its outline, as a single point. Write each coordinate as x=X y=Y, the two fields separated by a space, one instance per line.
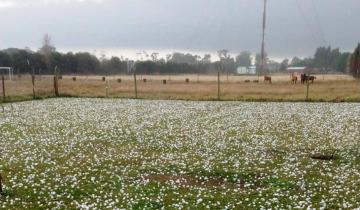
x=218 y=97
x=136 y=94
x=1 y=190
x=56 y=89
x=33 y=85
x=3 y=86
x=107 y=89
x=56 y=79
x=307 y=89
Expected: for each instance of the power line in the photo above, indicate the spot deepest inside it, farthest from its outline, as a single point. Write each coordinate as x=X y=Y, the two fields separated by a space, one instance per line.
x=317 y=19
x=306 y=21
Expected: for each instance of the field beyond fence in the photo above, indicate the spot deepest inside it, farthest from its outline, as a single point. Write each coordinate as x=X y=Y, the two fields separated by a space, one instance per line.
x=330 y=88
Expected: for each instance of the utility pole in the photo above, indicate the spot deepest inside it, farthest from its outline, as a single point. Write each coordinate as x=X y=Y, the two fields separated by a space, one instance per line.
x=262 y=62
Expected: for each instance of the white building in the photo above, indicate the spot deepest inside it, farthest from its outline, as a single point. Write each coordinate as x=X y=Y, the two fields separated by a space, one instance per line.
x=246 y=70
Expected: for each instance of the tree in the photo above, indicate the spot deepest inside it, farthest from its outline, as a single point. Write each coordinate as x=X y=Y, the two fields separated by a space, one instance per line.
x=70 y=63
x=87 y=63
x=47 y=48
x=206 y=59
x=183 y=58
x=226 y=63
x=38 y=63
x=5 y=59
x=296 y=62
x=322 y=57
x=55 y=59
x=154 y=56
x=20 y=58
x=355 y=62
x=341 y=62
x=244 y=59
x=284 y=65
x=223 y=54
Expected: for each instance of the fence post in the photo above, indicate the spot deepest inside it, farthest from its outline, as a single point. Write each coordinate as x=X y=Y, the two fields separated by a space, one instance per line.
x=33 y=85
x=218 y=97
x=307 y=89
x=56 y=85
x=3 y=86
x=136 y=94
x=1 y=184
x=107 y=89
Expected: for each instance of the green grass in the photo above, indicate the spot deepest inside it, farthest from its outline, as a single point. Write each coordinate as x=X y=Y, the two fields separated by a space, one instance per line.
x=73 y=153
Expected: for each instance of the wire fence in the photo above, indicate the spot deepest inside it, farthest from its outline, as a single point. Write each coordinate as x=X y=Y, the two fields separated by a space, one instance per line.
x=186 y=87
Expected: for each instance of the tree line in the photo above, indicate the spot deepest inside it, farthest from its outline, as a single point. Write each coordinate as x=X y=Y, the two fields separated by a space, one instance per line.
x=46 y=59
x=325 y=59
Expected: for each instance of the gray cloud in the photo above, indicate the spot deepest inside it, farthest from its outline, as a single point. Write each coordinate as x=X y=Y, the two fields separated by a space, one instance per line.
x=295 y=27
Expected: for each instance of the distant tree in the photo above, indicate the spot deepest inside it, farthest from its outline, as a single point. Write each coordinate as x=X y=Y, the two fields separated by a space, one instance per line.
x=146 y=67
x=183 y=58
x=226 y=62
x=355 y=62
x=87 y=63
x=341 y=62
x=322 y=57
x=273 y=66
x=244 y=59
x=114 y=65
x=284 y=65
x=296 y=62
x=146 y=55
x=47 y=47
x=5 y=59
x=56 y=60
x=168 y=57
x=154 y=56
x=38 y=63
x=223 y=54
x=70 y=64
x=206 y=59
x=327 y=58
x=20 y=61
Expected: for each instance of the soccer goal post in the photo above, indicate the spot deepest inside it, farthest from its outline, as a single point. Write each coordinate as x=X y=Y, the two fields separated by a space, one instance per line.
x=7 y=70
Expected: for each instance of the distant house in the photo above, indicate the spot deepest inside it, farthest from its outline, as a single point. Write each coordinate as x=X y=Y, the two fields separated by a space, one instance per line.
x=302 y=70
x=246 y=70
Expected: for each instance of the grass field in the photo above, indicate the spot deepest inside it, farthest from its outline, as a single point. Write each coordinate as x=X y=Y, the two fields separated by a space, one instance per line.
x=325 y=88
x=138 y=154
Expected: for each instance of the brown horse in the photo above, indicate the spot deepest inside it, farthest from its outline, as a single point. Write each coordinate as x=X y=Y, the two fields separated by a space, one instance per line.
x=306 y=78
x=311 y=78
x=294 y=79
x=267 y=79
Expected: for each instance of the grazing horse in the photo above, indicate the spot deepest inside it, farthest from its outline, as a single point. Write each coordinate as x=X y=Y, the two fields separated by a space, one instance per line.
x=303 y=78
x=267 y=79
x=311 y=78
x=294 y=79
x=306 y=78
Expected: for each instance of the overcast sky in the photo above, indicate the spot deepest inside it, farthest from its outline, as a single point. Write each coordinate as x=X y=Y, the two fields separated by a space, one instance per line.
x=124 y=27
